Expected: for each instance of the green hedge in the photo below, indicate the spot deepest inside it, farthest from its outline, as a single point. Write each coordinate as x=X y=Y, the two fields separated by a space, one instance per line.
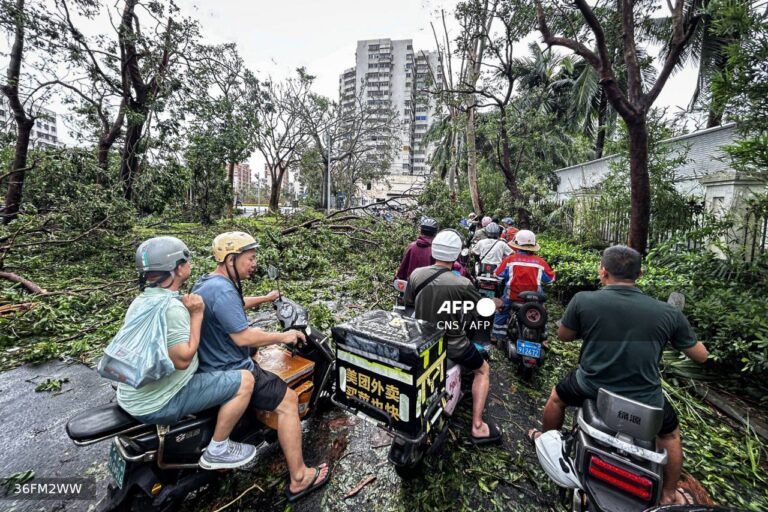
x=725 y=299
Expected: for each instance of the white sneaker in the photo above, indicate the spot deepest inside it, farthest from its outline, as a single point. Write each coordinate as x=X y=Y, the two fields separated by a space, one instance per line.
x=235 y=456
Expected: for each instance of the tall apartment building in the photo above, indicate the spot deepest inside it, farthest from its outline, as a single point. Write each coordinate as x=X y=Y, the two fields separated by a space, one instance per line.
x=44 y=132
x=392 y=73
x=241 y=179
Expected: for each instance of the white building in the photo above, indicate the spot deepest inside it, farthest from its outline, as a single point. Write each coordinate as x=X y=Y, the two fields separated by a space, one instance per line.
x=392 y=74
x=704 y=157
x=44 y=132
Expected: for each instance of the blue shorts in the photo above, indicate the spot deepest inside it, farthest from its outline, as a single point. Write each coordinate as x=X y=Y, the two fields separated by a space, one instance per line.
x=203 y=391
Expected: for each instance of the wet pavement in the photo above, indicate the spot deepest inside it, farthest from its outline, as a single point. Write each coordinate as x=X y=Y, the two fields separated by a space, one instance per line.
x=33 y=436
x=459 y=476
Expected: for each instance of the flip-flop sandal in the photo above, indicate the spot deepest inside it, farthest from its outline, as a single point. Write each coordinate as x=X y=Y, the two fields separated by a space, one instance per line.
x=532 y=437
x=687 y=496
x=313 y=486
x=494 y=436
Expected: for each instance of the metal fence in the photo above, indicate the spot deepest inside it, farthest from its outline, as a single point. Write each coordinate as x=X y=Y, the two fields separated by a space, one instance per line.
x=755 y=233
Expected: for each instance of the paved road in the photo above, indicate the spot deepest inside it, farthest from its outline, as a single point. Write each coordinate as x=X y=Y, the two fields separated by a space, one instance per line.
x=33 y=436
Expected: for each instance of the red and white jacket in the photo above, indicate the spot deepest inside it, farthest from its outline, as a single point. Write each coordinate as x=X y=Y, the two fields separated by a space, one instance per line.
x=524 y=272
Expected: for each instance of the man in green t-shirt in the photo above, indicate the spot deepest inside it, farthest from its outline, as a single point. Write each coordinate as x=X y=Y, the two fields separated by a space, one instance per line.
x=163 y=265
x=624 y=333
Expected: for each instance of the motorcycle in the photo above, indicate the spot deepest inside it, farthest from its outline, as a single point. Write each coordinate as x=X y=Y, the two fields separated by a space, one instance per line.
x=526 y=333
x=613 y=454
x=155 y=467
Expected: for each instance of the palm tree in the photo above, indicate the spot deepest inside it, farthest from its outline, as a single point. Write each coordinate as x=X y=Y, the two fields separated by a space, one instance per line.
x=708 y=48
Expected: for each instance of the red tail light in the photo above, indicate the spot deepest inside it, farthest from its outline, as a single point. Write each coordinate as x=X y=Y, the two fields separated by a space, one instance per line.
x=636 y=485
x=530 y=360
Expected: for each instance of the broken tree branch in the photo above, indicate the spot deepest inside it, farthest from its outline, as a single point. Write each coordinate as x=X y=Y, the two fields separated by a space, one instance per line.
x=28 y=285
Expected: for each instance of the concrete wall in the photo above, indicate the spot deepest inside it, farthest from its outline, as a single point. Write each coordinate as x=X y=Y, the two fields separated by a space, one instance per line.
x=705 y=157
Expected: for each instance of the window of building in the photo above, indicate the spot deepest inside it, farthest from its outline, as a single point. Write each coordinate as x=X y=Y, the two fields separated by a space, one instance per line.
x=409 y=47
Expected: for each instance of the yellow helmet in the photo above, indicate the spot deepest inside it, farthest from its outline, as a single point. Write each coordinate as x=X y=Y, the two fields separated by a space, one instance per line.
x=232 y=242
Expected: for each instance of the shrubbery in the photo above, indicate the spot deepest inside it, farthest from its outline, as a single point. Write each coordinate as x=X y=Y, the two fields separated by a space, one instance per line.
x=725 y=299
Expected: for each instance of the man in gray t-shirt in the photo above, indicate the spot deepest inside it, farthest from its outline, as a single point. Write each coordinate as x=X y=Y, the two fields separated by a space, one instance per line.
x=434 y=291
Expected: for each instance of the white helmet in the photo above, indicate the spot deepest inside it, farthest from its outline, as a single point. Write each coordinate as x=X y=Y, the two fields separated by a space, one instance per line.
x=486 y=221
x=446 y=246
x=550 y=449
x=525 y=240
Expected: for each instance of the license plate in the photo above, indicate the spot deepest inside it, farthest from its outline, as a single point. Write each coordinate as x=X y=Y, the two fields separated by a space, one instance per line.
x=116 y=465
x=529 y=349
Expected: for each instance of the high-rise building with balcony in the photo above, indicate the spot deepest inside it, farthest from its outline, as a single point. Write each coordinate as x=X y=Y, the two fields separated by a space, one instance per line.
x=44 y=132
x=392 y=74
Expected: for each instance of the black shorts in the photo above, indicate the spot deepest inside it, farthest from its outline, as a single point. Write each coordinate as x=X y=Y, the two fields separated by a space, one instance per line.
x=268 y=390
x=471 y=359
x=572 y=395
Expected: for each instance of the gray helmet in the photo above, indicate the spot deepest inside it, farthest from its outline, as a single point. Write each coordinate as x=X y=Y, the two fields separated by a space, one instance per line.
x=492 y=230
x=428 y=226
x=161 y=254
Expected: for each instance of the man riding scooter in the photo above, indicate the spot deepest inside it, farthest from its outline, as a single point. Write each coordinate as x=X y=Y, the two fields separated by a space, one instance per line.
x=522 y=271
x=491 y=250
x=419 y=252
x=624 y=333
x=228 y=341
x=429 y=289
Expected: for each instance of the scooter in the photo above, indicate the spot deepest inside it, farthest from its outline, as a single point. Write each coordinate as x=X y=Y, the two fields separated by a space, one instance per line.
x=155 y=467
x=612 y=454
x=526 y=333
x=488 y=284
x=393 y=371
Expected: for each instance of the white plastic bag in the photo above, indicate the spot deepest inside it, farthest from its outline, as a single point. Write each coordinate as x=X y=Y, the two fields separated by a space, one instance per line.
x=138 y=354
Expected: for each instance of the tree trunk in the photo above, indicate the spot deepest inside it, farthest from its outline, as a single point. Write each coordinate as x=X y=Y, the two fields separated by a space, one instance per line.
x=453 y=163
x=640 y=184
x=602 y=113
x=474 y=193
x=14 y=194
x=24 y=123
x=129 y=165
x=109 y=137
x=274 y=193
x=715 y=117
x=510 y=178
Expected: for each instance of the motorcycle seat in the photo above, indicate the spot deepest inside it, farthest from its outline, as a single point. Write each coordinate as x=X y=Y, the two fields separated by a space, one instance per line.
x=531 y=296
x=101 y=422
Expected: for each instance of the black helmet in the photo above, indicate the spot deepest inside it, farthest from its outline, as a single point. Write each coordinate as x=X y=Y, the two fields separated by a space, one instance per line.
x=428 y=226
x=492 y=230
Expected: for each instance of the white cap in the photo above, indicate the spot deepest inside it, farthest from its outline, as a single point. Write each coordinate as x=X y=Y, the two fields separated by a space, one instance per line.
x=446 y=246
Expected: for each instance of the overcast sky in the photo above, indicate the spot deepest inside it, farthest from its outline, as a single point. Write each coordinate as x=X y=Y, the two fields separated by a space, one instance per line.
x=275 y=37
